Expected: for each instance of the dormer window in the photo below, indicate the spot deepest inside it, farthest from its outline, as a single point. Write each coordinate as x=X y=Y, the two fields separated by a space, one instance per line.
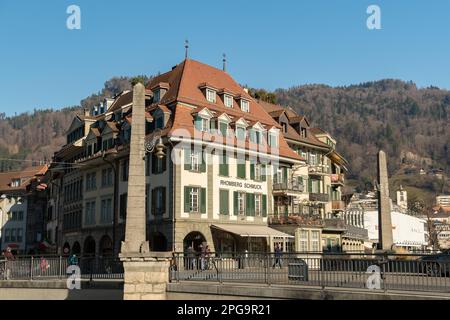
x=211 y=95
x=156 y=95
x=228 y=101
x=245 y=105
x=284 y=126
x=303 y=132
x=159 y=122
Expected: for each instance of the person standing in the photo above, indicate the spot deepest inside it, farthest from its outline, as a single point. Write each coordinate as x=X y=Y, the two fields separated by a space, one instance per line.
x=277 y=256
x=9 y=256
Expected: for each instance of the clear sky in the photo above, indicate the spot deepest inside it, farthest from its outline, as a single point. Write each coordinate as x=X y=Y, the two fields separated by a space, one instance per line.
x=269 y=44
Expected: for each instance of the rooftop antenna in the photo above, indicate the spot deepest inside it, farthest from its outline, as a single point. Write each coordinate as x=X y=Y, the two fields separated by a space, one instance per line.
x=224 y=60
x=186 y=46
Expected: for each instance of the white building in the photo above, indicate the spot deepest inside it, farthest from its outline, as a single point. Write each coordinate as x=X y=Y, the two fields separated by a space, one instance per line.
x=408 y=231
x=443 y=200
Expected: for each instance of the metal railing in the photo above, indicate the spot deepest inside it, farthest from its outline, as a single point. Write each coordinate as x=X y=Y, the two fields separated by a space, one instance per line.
x=56 y=267
x=288 y=186
x=319 y=197
x=357 y=270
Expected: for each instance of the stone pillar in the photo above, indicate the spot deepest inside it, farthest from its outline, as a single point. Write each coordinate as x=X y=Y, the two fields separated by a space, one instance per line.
x=385 y=238
x=146 y=276
x=146 y=273
x=135 y=235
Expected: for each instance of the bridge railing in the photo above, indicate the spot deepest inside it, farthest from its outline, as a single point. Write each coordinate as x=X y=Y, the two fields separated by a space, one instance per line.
x=56 y=267
x=409 y=272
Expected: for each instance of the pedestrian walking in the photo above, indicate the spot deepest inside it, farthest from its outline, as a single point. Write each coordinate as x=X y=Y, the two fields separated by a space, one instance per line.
x=277 y=257
x=9 y=256
x=207 y=257
x=73 y=260
x=43 y=265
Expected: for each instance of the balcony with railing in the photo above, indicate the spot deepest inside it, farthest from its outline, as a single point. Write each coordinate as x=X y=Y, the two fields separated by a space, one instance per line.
x=319 y=197
x=299 y=219
x=338 y=205
x=337 y=179
x=287 y=187
x=317 y=170
x=335 y=224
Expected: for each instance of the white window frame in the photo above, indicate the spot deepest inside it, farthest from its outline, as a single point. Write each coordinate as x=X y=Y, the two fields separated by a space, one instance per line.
x=211 y=95
x=315 y=242
x=195 y=161
x=303 y=241
x=205 y=124
x=228 y=101
x=194 y=195
x=241 y=203
x=258 y=204
x=258 y=171
x=245 y=105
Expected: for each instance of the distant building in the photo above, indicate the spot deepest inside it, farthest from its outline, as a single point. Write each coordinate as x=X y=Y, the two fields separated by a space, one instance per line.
x=402 y=198
x=443 y=200
x=22 y=206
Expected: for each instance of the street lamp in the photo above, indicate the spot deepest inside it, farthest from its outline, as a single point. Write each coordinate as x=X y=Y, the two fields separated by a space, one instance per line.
x=156 y=145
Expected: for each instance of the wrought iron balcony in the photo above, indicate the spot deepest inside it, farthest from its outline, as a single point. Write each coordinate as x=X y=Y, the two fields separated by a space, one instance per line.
x=337 y=224
x=337 y=178
x=338 y=205
x=319 y=197
x=288 y=186
x=317 y=170
x=356 y=232
x=299 y=219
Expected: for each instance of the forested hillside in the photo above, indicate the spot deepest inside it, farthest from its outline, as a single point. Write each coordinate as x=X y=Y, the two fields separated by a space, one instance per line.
x=410 y=124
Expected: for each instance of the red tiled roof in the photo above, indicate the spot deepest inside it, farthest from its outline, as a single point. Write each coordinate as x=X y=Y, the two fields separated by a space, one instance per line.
x=123 y=99
x=26 y=174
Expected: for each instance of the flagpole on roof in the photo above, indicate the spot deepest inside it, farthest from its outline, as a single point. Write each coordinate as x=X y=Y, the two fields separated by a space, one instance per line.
x=186 y=46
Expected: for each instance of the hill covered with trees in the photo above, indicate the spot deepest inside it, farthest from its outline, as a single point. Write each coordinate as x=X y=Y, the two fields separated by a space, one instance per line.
x=411 y=124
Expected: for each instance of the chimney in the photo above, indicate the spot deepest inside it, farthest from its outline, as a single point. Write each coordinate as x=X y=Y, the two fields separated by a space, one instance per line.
x=246 y=90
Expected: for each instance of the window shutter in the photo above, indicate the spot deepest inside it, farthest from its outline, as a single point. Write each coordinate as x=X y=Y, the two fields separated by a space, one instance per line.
x=224 y=202
x=202 y=161
x=164 y=164
x=285 y=174
x=252 y=170
x=264 y=205
x=153 y=164
x=153 y=201
x=163 y=205
x=187 y=205
x=187 y=158
x=235 y=201
x=203 y=200
x=241 y=170
x=248 y=204
x=198 y=123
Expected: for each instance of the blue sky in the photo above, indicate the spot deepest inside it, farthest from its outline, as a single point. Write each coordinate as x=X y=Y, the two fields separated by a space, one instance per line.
x=269 y=44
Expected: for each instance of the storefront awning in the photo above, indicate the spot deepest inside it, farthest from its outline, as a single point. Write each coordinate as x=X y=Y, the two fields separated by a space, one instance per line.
x=253 y=231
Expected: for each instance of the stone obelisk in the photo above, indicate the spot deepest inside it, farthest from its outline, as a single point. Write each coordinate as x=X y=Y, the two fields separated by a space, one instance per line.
x=146 y=273
x=135 y=235
x=385 y=238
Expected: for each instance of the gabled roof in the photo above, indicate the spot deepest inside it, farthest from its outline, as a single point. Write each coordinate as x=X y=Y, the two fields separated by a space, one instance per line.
x=123 y=99
x=26 y=175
